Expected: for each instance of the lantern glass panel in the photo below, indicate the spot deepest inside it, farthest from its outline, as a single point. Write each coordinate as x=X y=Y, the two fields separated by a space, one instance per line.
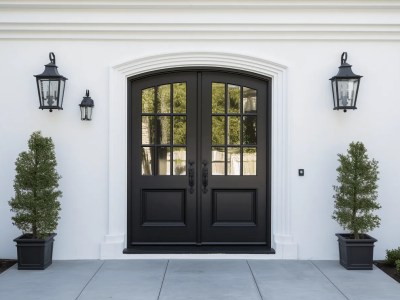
x=61 y=93
x=89 y=112
x=347 y=90
x=49 y=92
x=334 y=89
x=86 y=112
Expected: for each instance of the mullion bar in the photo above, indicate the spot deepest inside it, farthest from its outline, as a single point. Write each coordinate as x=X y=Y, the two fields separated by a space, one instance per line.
x=171 y=129
x=226 y=130
x=241 y=131
x=156 y=132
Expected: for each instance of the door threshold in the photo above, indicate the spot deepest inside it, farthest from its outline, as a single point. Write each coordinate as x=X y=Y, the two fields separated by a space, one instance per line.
x=194 y=249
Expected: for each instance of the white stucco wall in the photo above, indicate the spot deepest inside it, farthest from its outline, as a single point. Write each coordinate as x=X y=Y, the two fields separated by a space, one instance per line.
x=308 y=37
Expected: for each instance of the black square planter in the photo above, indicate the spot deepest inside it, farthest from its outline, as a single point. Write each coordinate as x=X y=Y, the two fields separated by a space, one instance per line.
x=356 y=254
x=34 y=254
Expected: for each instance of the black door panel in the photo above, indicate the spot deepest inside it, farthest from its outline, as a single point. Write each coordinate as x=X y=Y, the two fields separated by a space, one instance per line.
x=198 y=159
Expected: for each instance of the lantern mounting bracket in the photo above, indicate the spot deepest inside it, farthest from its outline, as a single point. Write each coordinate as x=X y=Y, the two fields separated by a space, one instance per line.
x=344 y=58
x=52 y=58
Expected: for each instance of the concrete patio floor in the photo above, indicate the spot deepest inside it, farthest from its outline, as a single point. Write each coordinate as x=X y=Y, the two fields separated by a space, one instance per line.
x=196 y=279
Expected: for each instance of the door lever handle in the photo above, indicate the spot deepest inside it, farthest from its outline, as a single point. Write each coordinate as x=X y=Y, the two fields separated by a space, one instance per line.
x=205 y=176
x=191 y=176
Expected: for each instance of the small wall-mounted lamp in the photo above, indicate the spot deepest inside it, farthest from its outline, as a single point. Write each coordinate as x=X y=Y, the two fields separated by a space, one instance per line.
x=345 y=86
x=51 y=86
x=86 y=106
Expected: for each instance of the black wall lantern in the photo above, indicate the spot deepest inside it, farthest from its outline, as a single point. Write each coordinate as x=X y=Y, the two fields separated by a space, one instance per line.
x=345 y=86
x=50 y=85
x=86 y=106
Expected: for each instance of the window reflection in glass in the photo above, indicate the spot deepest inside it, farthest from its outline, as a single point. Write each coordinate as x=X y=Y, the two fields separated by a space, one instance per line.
x=234 y=99
x=249 y=161
x=218 y=130
x=179 y=161
x=147 y=160
x=250 y=130
x=179 y=103
x=163 y=99
x=249 y=100
x=164 y=130
x=233 y=161
x=218 y=160
x=164 y=159
x=233 y=130
x=218 y=98
x=179 y=130
x=148 y=130
x=148 y=100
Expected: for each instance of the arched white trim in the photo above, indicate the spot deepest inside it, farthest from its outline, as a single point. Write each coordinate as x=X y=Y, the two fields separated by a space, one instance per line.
x=115 y=240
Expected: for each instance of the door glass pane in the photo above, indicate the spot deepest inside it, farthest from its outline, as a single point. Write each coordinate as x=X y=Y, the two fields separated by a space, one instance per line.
x=218 y=130
x=148 y=130
x=249 y=100
x=249 y=161
x=233 y=130
x=164 y=158
x=164 y=98
x=250 y=130
x=179 y=97
x=233 y=161
x=164 y=130
x=234 y=99
x=148 y=100
x=179 y=130
x=179 y=161
x=147 y=160
x=218 y=160
x=218 y=98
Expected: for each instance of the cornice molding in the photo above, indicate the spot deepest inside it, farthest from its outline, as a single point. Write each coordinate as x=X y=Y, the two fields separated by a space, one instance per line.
x=199 y=31
x=205 y=4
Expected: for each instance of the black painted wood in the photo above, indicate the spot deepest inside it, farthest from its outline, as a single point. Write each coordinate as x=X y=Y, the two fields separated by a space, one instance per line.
x=244 y=218
x=234 y=211
x=200 y=249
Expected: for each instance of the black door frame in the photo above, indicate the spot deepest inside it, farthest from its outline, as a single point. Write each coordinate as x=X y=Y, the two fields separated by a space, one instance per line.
x=204 y=248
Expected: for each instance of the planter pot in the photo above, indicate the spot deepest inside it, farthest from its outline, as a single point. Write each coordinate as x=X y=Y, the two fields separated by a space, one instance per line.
x=34 y=254
x=356 y=254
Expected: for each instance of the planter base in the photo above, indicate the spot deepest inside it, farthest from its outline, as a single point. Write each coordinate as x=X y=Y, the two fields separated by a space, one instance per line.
x=356 y=254
x=34 y=254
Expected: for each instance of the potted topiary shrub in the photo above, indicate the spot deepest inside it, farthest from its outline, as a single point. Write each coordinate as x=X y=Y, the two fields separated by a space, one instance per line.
x=35 y=203
x=355 y=201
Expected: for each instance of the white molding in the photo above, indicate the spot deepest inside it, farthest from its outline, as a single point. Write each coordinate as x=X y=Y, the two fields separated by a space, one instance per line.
x=198 y=31
x=199 y=4
x=281 y=205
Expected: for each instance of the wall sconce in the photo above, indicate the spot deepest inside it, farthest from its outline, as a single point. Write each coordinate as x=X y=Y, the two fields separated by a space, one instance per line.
x=345 y=86
x=86 y=106
x=51 y=86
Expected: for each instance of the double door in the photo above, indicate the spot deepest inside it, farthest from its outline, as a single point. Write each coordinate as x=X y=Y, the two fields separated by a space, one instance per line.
x=198 y=151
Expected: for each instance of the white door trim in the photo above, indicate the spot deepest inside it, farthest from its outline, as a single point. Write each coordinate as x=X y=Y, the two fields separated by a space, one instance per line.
x=115 y=239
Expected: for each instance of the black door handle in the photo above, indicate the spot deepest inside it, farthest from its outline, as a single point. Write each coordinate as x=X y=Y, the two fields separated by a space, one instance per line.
x=191 y=176
x=205 y=176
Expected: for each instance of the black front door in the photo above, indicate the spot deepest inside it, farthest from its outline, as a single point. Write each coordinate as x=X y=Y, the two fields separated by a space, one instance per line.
x=198 y=151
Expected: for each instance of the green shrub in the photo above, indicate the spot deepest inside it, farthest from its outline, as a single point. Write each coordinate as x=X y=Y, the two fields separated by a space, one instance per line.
x=398 y=266
x=357 y=192
x=35 y=202
x=392 y=256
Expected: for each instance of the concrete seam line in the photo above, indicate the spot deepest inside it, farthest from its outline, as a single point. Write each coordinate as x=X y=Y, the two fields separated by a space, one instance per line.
x=328 y=279
x=87 y=283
